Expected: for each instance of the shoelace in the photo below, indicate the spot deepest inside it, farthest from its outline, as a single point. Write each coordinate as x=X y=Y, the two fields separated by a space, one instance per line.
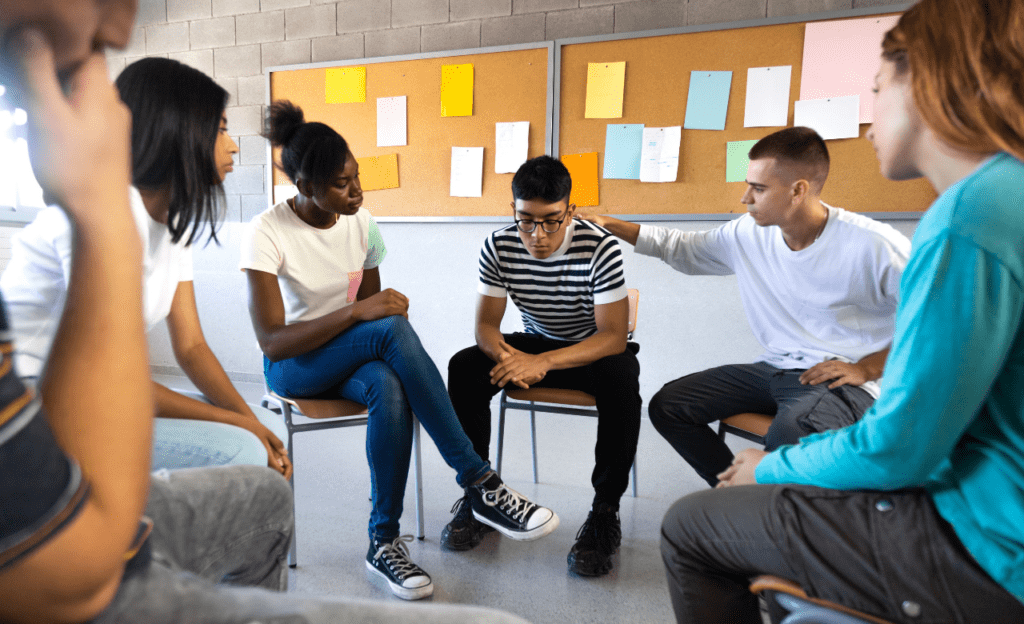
x=505 y=498
x=464 y=501
x=601 y=530
x=396 y=557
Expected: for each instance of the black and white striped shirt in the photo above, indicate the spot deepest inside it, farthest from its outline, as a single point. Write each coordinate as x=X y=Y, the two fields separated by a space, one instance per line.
x=555 y=295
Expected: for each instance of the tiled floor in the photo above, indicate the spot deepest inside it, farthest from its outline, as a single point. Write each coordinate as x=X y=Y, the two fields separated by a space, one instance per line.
x=529 y=579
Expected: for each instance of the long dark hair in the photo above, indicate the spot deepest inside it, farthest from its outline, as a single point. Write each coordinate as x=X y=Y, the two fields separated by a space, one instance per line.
x=176 y=115
x=310 y=151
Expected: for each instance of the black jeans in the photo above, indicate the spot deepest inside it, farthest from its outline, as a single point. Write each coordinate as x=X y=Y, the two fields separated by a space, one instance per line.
x=614 y=381
x=887 y=554
x=682 y=410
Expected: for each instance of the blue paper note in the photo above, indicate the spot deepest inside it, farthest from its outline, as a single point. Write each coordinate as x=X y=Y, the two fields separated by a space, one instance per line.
x=622 y=146
x=708 y=100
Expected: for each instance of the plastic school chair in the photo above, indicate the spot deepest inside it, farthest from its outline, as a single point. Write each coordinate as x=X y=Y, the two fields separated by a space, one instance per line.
x=748 y=426
x=335 y=414
x=803 y=609
x=554 y=401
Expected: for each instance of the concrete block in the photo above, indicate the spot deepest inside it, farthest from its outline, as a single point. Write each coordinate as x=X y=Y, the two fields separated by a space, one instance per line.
x=580 y=23
x=458 y=36
x=285 y=53
x=716 y=12
x=590 y=3
x=151 y=12
x=511 y=30
x=338 y=48
x=137 y=44
x=259 y=27
x=218 y=32
x=542 y=6
x=230 y=208
x=860 y=4
x=363 y=15
x=236 y=61
x=252 y=205
x=273 y=5
x=185 y=10
x=460 y=10
x=252 y=150
x=245 y=180
x=200 y=59
x=639 y=16
x=252 y=91
x=393 y=42
x=231 y=86
x=783 y=8
x=310 y=22
x=235 y=7
x=418 y=12
x=115 y=65
x=164 y=38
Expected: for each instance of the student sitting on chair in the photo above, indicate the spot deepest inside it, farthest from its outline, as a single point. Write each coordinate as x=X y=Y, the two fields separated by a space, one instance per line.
x=913 y=513
x=327 y=329
x=566 y=278
x=819 y=286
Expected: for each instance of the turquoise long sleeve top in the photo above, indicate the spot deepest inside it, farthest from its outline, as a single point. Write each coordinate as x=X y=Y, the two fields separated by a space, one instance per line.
x=950 y=417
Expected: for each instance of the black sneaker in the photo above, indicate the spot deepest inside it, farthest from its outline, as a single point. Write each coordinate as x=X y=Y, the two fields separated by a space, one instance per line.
x=464 y=531
x=512 y=514
x=390 y=561
x=596 y=542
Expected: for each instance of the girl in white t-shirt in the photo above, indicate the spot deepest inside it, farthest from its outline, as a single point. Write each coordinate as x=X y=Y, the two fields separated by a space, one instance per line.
x=181 y=152
x=328 y=330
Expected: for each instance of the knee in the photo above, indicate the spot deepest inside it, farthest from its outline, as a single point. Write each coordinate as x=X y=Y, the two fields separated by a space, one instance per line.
x=386 y=390
x=676 y=526
x=784 y=430
x=661 y=410
x=268 y=496
x=465 y=363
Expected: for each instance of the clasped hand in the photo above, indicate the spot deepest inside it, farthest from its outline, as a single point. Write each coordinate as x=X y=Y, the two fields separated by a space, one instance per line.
x=741 y=472
x=388 y=302
x=516 y=367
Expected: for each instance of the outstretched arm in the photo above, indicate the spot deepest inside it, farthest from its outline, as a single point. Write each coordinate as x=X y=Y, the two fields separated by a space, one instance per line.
x=625 y=230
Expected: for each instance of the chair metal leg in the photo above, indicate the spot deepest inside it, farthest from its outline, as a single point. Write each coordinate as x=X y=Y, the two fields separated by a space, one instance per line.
x=634 y=478
x=417 y=458
x=293 y=550
x=501 y=432
x=533 y=440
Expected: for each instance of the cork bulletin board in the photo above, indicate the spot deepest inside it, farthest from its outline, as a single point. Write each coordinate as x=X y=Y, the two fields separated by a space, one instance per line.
x=511 y=84
x=658 y=70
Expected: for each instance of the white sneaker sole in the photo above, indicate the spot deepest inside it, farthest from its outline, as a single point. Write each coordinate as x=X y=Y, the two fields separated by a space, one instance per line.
x=522 y=536
x=405 y=593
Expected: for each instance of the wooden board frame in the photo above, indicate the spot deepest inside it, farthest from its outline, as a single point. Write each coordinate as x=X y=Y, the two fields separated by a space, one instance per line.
x=655 y=95
x=512 y=83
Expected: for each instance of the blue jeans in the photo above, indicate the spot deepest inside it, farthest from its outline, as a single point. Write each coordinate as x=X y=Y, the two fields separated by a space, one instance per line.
x=187 y=443
x=382 y=365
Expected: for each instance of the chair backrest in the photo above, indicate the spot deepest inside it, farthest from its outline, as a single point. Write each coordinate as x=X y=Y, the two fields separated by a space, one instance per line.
x=634 y=302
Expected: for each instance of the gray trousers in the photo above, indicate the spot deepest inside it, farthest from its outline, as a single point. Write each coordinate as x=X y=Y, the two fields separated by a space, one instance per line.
x=887 y=554
x=219 y=545
x=682 y=410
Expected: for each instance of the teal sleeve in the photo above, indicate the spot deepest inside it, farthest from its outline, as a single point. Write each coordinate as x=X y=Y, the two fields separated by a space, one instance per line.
x=375 y=250
x=956 y=321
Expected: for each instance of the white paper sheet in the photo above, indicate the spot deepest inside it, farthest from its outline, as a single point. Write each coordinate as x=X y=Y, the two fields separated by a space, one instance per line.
x=467 y=172
x=659 y=156
x=391 y=121
x=767 y=96
x=832 y=118
x=511 y=141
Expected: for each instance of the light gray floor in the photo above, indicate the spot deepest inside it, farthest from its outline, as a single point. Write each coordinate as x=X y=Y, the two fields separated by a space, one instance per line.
x=529 y=579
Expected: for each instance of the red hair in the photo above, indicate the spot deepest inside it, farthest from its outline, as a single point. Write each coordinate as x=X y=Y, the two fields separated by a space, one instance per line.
x=966 y=64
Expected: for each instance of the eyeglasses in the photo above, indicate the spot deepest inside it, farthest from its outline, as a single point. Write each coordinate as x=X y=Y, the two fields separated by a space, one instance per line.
x=549 y=225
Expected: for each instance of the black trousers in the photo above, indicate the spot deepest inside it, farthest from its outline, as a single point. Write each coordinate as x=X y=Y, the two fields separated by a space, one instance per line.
x=682 y=410
x=887 y=554
x=614 y=381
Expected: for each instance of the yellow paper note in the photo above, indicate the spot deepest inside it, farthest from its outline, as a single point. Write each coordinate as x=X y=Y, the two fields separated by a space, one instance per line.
x=605 y=84
x=457 y=90
x=346 y=85
x=583 y=170
x=378 y=172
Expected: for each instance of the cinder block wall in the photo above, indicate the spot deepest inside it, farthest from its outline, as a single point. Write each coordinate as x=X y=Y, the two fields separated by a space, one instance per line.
x=236 y=40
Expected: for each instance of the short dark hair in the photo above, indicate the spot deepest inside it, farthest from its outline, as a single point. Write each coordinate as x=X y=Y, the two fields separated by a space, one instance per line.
x=176 y=115
x=310 y=151
x=544 y=178
x=799 y=145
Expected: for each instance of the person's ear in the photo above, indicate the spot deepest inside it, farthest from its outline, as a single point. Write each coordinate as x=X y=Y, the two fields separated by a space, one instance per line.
x=571 y=210
x=305 y=187
x=800 y=191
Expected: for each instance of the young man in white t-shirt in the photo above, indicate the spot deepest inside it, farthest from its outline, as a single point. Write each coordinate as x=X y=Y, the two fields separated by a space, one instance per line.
x=819 y=286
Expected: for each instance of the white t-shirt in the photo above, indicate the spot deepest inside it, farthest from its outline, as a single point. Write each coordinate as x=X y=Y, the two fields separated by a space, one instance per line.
x=318 y=271
x=35 y=283
x=835 y=299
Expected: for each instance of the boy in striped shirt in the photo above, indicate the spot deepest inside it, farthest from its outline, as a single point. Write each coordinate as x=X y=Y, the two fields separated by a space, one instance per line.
x=566 y=277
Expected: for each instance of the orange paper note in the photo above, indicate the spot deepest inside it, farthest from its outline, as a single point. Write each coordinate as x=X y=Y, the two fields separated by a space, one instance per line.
x=378 y=172
x=346 y=85
x=583 y=170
